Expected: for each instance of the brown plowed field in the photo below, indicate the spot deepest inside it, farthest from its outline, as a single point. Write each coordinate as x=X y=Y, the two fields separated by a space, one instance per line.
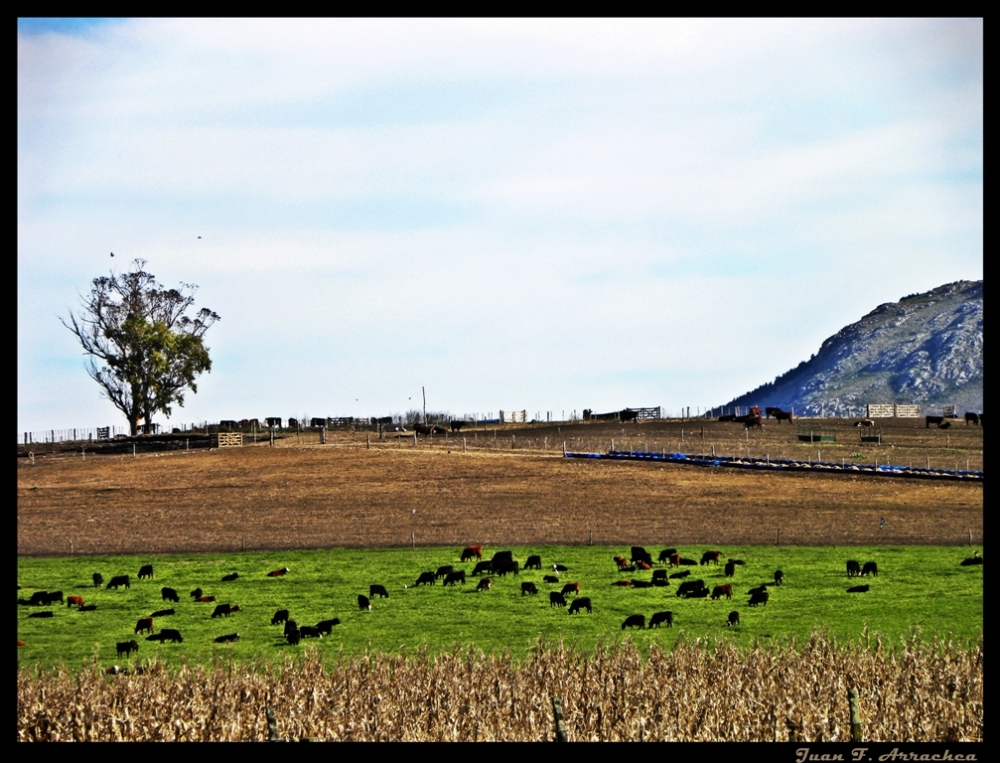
x=495 y=491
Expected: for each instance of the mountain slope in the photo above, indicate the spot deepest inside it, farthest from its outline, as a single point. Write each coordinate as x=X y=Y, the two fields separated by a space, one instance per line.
x=926 y=349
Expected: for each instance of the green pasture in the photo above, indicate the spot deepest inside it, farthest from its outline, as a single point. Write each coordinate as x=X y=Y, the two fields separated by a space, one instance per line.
x=918 y=587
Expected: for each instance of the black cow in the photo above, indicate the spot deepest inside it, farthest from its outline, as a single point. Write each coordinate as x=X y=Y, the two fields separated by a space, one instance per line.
x=454 y=577
x=38 y=598
x=779 y=577
x=98 y=579
x=163 y=613
x=762 y=588
x=972 y=561
x=941 y=422
x=377 y=590
x=326 y=626
x=502 y=568
x=581 y=602
x=457 y=425
x=730 y=569
x=171 y=635
x=556 y=599
x=87 y=608
x=870 y=568
x=41 y=614
x=281 y=616
x=502 y=556
x=423 y=429
x=688 y=562
x=665 y=555
x=230 y=577
x=290 y=625
x=550 y=579
x=442 y=571
x=534 y=562
x=225 y=609
x=634 y=621
x=679 y=575
x=146 y=571
x=528 y=588
x=660 y=575
x=853 y=568
x=482 y=567
x=169 y=594
x=426 y=578
x=293 y=636
x=739 y=562
x=125 y=648
x=859 y=589
x=689 y=587
x=55 y=596
x=639 y=554
x=734 y=618
x=308 y=631
x=227 y=639
x=119 y=580
x=662 y=617
x=560 y=568
x=710 y=557
x=197 y=593
x=642 y=584
x=759 y=598
x=364 y=602
x=701 y=593
x=972 y=418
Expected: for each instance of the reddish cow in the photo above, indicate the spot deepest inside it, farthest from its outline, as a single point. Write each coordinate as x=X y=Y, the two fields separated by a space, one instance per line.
x=278 y=573
x=472 y=551
x=74 y=601
x=622 y=562
x=145 y=624
x=485 y=584
x=675 y=560
x=643 y=565
x=722 y=590
x=205 y=599
x=710 y=557
x=573 y=588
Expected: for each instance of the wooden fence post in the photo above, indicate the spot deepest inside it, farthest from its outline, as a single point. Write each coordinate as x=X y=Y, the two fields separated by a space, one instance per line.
x=855 y=707
x=557 y=711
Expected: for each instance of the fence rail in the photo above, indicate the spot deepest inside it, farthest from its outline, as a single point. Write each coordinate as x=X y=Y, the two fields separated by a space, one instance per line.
x=71 y=435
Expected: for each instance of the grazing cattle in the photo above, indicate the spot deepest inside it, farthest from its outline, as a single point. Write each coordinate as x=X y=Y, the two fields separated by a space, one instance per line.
x=87 y=608
x=556 y=599
x=622 y=583
x=865 y=423
x=54 y=596
x=665 y=555
x=973 y=560
x=146 y=571
x=364 y=603
x=281 y=616
x=660 y=575
x=485 y=584
x=688 y=562
x=534 y=562
x=20 y=643
x=550 y=579
x=455 y=577
x=308 y=631
x=482 y=567
x=502 y=568
x=643 y=566
x=445 y=570
x=762 y=588
x=528 y=588
x=622 y=562
x=169 y=594
x=423 y=429
x=688 y=587
x=293 y=636
x=41 y=614
x=377 y=590
x=226 y=609
x=125 y=648
x=38 y=598
x=502 y=556
x=858 y=589
x=278 y=573
x=119 y=580
x=560 y=568
x=701 y=593
x=573 y=588
x=196 y=593
x=870 y=568
x=74 y=601
x=163 y=613
x=426 y=578
x=739 y=562
x=628 y=415
x=326 y=626
x=639 y=554
x=853 y=568
x=727 y=417
x=679 y=575
x=941 y=422
x=753 y=422
x=98 y=579
x=642 y=584
x=472 y=551
x=675 y=560
x=230 y=577
x=273 y=421
x=583 y=602
x=206 y=599
x=734 y=618
x=971 y=418
x=781 y=415
x=779 y=577
x=729 y=570
x=722 y=590
x=227 y=639
x=710 y=557
x=634 y=621
x=290 y=625
x=662 y=617
x=759 y=598
x=456 y=426
x=145 y=624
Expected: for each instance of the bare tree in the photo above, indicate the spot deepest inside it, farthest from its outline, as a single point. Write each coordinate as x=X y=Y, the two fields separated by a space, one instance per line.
x=144 y=351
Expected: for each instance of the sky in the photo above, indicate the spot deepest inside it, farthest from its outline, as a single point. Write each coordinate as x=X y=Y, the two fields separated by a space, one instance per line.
x=503 y=214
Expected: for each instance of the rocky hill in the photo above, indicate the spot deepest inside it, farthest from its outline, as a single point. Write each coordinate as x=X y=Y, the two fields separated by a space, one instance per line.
x=925 y=349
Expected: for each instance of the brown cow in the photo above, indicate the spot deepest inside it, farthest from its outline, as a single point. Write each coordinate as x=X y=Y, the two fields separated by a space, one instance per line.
x=721 y=590
x=711 y=557
x=205 y=599
x=485 y=584
x=278 y=573
x=675 y=560
x=72 y=601
x=472 y=551
x=145 y=624
x=573 y=588
x=622 y=562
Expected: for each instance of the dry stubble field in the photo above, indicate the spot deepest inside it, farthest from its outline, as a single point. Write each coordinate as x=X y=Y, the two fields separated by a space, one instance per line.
x=490 y=491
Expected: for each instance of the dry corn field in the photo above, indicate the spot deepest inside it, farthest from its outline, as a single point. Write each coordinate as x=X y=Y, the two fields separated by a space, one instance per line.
x=918 y=691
